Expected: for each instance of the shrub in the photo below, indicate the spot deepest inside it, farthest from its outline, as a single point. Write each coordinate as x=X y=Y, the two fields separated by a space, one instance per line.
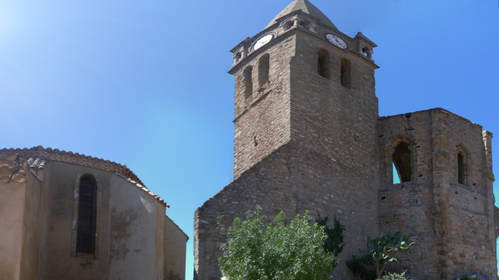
x=380 y=251
x=383 y=249
x=293 y=251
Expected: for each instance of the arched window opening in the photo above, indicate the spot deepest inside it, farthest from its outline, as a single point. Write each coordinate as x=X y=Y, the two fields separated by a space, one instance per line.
x=461 y=168
x=85 y=241
x=346 y=73
x=263 y=69
x=402 y=160
x=248 y=81
x=323 y=63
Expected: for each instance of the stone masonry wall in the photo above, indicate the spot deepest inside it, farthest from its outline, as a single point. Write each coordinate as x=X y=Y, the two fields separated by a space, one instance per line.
x=408 y=207
x=341 y=124
x=473 y=243
x=329 y=118
x=292 y=180
x=262 y=118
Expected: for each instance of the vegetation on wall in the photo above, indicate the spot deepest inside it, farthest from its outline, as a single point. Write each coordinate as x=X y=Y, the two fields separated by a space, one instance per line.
x=334 y=241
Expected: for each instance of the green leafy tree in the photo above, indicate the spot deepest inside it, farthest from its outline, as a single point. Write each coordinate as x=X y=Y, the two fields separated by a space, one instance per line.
x=293 y=251
x=334 y=241
x=384 y=249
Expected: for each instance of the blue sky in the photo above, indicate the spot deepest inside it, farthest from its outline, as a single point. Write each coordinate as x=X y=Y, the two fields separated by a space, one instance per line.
x=145 y=83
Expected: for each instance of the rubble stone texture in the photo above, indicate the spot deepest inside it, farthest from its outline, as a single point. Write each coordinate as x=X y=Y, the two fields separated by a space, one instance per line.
x=310 y=138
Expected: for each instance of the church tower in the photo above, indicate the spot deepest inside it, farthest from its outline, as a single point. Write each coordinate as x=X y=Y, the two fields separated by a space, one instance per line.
x=301 y=80
x=306 y=119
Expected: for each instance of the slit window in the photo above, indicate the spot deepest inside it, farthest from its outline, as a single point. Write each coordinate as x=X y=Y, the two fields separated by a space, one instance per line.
x=248 y=81
x=323 y=64
x=263 y=69
x=85 y=241
x=461 y=168
x=346 y=73
x=402 y=160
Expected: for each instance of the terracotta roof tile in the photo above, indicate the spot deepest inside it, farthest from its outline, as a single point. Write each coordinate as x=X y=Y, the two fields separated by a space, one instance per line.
x=37 y=158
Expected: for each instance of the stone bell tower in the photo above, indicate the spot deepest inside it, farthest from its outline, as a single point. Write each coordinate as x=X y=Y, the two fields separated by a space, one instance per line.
x=306 y=119
x=304 y=81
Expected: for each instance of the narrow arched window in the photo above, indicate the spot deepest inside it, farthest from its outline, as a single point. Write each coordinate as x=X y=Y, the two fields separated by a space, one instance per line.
x=461 y=168
x=346 y=73
x=402 y=160
x=323 y=63
x=263 y=69
x=85 y=240
x=248 y=81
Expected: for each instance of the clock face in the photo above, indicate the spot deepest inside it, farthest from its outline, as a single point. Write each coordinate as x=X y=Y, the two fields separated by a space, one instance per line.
x=262 y=41
x=337 y=41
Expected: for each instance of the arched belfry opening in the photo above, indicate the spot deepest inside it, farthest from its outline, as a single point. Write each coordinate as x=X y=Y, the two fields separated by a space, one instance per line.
x=346 y=73
x=248 y=81
x=401 y=159
x=263 y=69
x=323 y=63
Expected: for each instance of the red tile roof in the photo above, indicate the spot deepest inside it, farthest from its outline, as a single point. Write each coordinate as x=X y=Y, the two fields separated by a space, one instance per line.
x=38 y=156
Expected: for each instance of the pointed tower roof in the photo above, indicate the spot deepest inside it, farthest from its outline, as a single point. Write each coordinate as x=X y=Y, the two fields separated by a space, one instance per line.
x=306 y=7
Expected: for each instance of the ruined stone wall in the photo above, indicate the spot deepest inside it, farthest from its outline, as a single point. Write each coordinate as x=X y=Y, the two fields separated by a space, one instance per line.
x=262 y=118
x=408 y=206
x=472 y=208
x=449 y=221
